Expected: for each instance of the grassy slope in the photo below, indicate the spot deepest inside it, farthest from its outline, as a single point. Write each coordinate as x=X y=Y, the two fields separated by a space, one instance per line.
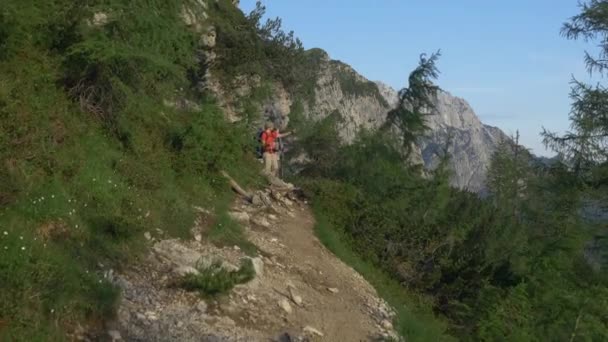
x=78 y=188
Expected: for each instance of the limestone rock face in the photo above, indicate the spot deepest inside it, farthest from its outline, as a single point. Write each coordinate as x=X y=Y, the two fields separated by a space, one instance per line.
x=341 y=90
x=472 y=143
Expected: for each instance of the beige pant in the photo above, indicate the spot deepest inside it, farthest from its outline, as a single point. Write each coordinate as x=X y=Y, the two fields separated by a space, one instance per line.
x=271 y=163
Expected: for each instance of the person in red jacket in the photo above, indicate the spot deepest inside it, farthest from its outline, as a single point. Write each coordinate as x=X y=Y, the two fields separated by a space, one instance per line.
x=270 y=148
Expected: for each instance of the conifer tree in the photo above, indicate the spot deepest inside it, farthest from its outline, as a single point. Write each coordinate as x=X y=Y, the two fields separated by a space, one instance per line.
x=415 y=102
x=586 y=144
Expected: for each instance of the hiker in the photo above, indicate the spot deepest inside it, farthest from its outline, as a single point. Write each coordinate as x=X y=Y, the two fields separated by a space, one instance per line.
x=270 y=148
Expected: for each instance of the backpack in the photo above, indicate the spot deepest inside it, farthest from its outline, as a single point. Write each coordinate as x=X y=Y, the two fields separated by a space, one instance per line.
x=259 y=150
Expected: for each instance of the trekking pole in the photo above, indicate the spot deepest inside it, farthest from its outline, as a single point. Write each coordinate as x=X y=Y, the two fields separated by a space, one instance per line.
x=281 y=157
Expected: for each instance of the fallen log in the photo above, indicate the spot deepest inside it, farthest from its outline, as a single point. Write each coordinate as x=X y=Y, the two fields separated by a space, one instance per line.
x=236 y=187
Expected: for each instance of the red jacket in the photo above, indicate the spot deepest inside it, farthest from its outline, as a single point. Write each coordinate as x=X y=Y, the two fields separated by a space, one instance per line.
x=268 y=140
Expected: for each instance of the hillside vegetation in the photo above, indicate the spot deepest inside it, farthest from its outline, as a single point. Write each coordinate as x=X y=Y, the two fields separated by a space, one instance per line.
x=92 y=157
x=96 y=152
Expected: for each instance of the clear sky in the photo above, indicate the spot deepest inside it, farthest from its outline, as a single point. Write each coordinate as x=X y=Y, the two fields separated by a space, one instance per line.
x=506 y=58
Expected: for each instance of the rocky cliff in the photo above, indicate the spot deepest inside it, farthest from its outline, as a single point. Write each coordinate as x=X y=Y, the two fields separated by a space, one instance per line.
x=472 y=142
x=340 y=89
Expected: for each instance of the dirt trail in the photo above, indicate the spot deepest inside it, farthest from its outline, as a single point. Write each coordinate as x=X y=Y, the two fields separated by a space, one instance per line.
x=301 y=293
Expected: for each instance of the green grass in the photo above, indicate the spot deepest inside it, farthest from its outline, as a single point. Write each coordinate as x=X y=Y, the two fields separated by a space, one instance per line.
x=415 y=320
x=43 y=287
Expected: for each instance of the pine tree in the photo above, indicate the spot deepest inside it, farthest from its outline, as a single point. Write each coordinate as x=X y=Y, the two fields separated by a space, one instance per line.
x=415 y=102
x=586 y=145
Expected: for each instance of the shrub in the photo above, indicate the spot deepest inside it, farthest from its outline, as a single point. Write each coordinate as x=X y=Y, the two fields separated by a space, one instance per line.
x=216 y=279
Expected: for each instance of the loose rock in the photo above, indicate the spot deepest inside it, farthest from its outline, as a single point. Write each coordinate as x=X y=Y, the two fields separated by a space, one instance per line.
x=386 y=324
x=312 y=331
x=114 y=335
x=333 y=290
x=261 y=221
x=201 y=306
x=185 y=270
x=258 y=266
x=284 y=304
x=151 y=316
x=294 y=296
x=148 y=236
x=297 y=299
x=100 y=19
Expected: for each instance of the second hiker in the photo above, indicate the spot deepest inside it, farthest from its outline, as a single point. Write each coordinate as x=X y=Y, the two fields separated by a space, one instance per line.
x=270 y=148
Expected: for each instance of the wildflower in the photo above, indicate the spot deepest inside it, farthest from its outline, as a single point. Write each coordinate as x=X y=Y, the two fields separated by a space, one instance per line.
x=52 y=196
x=21 y=238
x=42 y=198
x=5 y=232
x=23 y=248
x=76 y=226
x=69 y=200
x=5 y=248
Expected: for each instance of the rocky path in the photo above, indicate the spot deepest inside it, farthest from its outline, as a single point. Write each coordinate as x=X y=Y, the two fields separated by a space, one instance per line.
x=301 y=292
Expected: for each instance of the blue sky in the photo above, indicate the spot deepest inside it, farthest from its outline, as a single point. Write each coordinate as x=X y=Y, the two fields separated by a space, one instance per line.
x=506 y=58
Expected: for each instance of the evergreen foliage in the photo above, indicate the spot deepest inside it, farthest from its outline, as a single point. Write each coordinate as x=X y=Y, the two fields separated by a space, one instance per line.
x=510 y=266
x=415 y=101
x=215 y=279
x=586 y=145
